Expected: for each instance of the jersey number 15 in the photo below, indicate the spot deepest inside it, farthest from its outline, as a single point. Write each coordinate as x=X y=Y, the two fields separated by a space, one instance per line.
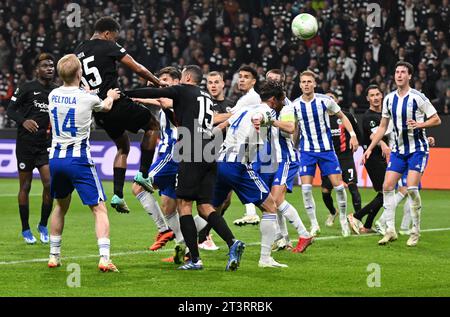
x=90 y=71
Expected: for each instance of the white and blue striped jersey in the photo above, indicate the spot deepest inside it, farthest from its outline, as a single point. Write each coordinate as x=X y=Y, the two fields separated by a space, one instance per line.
x=314 y=122
x=412 y=106
x=286 y=148
x=249 y=99
x=167 y=134
x=242 y=135
x=70 y=110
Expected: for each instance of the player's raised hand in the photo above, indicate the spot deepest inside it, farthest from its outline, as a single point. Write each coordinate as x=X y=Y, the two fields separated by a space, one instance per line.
x=114 y=93
x=165 y=103
x=139 y=100
x=30 y=125
x=257 y=119
x=86 y=88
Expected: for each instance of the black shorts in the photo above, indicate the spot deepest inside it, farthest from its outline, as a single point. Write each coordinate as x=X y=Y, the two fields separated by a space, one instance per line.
x=30 y=155
x=349 y=173
x=125 y=115
x=376 y=168
x=195 y=182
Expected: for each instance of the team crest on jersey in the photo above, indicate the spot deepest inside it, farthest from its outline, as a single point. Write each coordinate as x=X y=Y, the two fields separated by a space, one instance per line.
x=22 y=165
x=372 y=124
x=339 y=121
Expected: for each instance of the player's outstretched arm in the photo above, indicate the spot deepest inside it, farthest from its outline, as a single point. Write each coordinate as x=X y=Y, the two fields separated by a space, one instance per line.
x=348 y=126
x=378 y=135
x=139 y=69
x=285 y=126
x=147 y=92
x=221 y=117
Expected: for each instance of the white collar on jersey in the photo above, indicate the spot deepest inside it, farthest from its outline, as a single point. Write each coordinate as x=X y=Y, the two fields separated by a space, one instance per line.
x=301 y=98
x=407 y=93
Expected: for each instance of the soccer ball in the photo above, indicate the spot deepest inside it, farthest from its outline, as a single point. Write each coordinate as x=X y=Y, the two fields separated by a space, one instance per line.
x=304 y=26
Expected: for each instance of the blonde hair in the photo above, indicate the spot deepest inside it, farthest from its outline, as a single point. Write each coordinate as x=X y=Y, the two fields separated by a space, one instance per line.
x=308 y=73
x=68 y=68
x=215 y=73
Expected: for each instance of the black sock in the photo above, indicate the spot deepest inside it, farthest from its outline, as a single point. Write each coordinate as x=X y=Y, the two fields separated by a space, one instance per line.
x=376 y=206
x=46 y=209
x=328 y=200
x=220 y=226
x=189 y=231
x=367 y=208
x=146 y=161
x=356 y=196
x=119 y=180
x=203 y=234
x=24 y=211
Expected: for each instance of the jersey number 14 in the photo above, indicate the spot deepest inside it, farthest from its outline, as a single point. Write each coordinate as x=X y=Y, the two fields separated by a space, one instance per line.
x=68 y=123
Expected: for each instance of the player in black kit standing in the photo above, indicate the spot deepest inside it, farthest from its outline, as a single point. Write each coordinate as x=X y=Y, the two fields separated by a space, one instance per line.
x=98 y=57
x=376 y=164
x=29 y=108
x=196 y=176
x=341 y=143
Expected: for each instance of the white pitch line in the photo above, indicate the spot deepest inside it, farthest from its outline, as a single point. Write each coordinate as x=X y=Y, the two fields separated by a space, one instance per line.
x=169 y=250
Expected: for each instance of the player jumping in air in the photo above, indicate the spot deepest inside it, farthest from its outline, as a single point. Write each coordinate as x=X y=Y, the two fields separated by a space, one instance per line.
x=98 y=57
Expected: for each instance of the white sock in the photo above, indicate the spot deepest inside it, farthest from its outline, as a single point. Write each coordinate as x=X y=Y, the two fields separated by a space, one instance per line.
x=104 y=247
x=280 y=223
x=398 y=198
x=310 y=205
x=268 y=228
x=341 y=197
x=283 y=226
x=200 y=223
x=174 y=223
x=389 y=206
x=415 y=204
x=406 y=220
x=151 y=206
x=55 y=245
x=290 y=213
x=250 y=210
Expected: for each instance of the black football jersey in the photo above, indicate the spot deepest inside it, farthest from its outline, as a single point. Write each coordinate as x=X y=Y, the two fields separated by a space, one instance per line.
x=98 y=61
x=192 y=109
x=341 y=138
x=30 y=101
x=370 y=122
x=222 y=106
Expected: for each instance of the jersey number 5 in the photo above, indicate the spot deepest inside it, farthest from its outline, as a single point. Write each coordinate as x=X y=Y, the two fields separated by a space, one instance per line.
x=91 y=70
x=68 y=123
x=205 y=115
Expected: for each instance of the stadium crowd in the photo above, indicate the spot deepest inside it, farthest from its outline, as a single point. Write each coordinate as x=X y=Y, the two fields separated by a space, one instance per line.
x=347 y=54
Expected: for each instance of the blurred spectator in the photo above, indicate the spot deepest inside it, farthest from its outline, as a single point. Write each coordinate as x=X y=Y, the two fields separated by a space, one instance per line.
x=347 y=54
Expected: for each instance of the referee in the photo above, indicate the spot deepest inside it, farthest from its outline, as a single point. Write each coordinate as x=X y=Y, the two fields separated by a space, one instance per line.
x=376 y=164
x=29 y=109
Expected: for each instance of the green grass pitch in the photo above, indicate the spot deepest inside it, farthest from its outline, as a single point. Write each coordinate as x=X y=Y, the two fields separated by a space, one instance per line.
x=332 y=266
